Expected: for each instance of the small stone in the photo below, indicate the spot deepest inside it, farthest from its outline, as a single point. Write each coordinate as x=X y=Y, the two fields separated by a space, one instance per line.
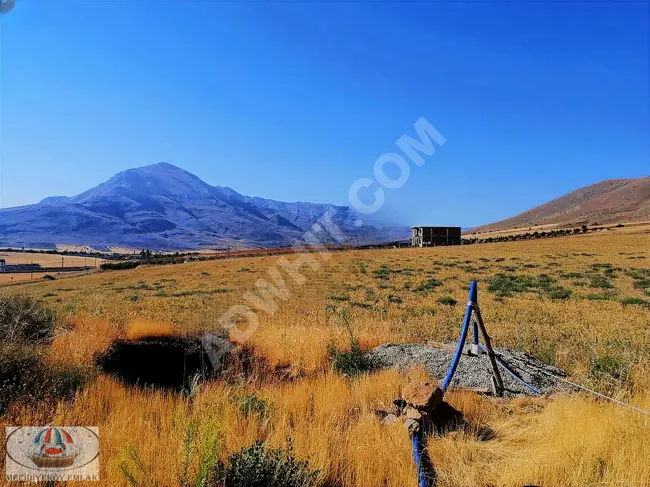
x=412 y=426
x=389 y=419
x=412 y=413
x=422 y=395
x=382 y=413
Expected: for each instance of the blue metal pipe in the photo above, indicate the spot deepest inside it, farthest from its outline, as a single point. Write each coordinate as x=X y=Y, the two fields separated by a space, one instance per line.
x=417 y=457
x=463 y=337
x=473 y=293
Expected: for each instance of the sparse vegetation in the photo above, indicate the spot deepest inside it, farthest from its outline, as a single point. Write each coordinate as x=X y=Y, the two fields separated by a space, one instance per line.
x=23 y=319
x=258 y=466
x=600 y=282
x=352 y=362
x=447 y=301
x=597 y=297
x=305 y=371
x=504 y=285
x=428 y=285
x=250 y=404
x=26 y=326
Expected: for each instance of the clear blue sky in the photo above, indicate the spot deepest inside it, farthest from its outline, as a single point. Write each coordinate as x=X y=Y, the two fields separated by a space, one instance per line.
x=296 y=100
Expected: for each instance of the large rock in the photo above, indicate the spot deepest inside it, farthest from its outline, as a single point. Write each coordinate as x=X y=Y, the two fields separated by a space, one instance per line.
x=422 y=395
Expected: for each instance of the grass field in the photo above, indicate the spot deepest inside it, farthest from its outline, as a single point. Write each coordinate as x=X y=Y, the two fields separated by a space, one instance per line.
x=633 y=227
x=45 y=260
x=48 y=260
x=579 y=302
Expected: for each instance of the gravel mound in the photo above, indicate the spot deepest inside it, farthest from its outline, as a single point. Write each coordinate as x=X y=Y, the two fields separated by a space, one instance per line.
x=472 y=371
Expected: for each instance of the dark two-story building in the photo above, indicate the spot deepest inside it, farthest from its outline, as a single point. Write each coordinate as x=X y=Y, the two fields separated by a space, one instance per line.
x=434 y=236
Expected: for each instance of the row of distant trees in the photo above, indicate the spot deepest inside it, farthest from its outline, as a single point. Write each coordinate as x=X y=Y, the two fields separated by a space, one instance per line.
x=536 y=234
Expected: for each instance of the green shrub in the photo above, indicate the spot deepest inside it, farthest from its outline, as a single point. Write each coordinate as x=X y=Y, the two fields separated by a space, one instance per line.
x=600 y=282
x=504 y=285
x=343 y=297
x=447 y=301
x=610 y=273
x=597 y=297
x=25 y=376
x=199 y=462
x=635 y=301
x=642 y=283
x=428 y=285
x=637 y=273
x=394 y=299
x=370 y=294
x=251 y=405
x=507 y=285
x=25 y=320
x=257 y=466
x=608 y=367
x=383 y=273
x=559 y=293
x=349 y=363
x=117 y=266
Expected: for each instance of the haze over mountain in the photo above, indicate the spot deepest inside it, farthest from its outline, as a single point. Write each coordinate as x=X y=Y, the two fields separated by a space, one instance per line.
x=162 y=206
x=610 y=201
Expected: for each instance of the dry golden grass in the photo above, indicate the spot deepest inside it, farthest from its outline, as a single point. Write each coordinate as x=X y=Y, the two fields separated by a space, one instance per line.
x=85 y=338
x=50 y=260
x=8 y=278
x=562 y=441
x=146 y=328
x=565 y=441
x=632 y=227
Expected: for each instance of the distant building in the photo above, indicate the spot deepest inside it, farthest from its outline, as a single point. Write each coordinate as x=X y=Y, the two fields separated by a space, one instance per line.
x=2 y=265
x=434 y=236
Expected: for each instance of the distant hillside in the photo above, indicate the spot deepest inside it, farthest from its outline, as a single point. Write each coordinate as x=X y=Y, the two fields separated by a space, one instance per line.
x=611 y=201
x=164 y=207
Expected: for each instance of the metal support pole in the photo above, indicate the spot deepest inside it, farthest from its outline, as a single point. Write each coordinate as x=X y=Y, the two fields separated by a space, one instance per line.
x=473 y=303
x=490 y=351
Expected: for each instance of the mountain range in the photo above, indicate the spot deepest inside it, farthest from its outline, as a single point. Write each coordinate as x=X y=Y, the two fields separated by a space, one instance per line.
x=606 y=202
x=162 y=206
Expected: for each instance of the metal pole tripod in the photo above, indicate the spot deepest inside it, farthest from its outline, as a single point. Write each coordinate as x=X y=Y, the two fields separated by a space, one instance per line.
x=473 y=316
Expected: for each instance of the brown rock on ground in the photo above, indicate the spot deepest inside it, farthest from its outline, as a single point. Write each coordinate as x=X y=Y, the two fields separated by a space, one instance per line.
x=422 y=395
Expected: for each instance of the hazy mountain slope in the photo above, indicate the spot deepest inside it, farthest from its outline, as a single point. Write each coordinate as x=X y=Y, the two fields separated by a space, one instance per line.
x=611 y=201
x=162 y=206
